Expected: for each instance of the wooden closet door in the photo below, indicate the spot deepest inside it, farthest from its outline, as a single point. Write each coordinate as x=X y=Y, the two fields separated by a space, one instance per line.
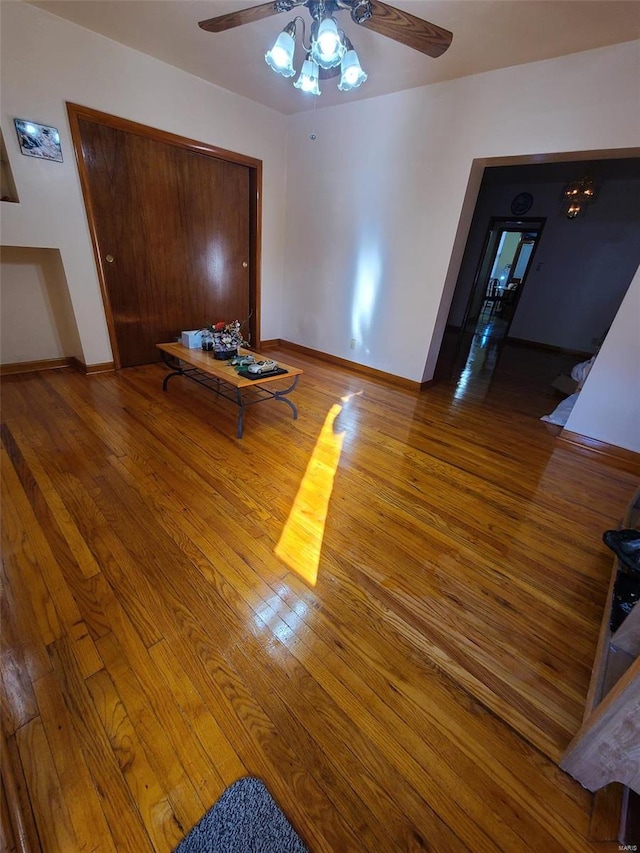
x=172 y=228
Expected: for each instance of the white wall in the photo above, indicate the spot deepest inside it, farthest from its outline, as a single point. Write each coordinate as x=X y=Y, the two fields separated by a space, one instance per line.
x=608 y=407
x=375 y=200
x=37 y=322
x=47 y=61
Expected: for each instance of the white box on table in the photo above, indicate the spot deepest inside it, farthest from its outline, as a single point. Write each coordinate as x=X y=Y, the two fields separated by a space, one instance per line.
x=192 y=339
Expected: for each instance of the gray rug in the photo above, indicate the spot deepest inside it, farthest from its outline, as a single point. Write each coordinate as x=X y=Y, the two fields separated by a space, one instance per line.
x=245 y=819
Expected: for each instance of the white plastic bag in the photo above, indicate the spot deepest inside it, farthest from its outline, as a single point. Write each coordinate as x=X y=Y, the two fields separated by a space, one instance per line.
x=560 y=414
x=580 y=371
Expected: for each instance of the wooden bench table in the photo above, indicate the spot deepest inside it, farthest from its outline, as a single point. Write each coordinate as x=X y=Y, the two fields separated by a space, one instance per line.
x=222 y=378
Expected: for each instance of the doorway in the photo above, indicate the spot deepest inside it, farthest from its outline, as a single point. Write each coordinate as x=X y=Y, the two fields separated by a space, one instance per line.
x=175 y=229
x=474 y=347
x=509 y=249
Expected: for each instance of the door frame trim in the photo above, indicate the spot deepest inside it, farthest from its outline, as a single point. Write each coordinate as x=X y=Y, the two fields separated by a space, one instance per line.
x=76 y=112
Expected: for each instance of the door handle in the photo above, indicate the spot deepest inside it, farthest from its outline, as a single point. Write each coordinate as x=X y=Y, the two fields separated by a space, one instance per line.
x=109 y=259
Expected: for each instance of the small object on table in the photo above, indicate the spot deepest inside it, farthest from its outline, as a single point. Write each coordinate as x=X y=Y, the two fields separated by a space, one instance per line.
x=224 y=354
x=192 y=339
x=263 y=367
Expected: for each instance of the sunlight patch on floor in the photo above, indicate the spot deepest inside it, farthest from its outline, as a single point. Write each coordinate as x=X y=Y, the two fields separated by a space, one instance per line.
x=300 y=542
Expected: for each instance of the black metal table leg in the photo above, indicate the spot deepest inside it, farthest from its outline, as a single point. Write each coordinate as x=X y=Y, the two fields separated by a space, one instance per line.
x=168 y=377
x=240 y=403
x=171 y=364
x=282 y=395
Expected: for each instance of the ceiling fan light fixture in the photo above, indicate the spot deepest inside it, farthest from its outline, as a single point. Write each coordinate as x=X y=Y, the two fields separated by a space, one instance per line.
x=327 y=48
x=308 y=81
x=351 y=75
x=280 y=57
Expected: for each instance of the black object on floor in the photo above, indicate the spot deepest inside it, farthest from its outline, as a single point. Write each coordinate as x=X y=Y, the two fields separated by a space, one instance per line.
x=625 y=544
x=246 y=819
x=626 y=594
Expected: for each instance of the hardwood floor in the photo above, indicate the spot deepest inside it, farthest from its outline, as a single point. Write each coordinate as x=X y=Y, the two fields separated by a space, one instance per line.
x=387 y=610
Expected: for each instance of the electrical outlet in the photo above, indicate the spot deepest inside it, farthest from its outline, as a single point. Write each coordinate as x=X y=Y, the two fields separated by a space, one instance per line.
x=354 y=343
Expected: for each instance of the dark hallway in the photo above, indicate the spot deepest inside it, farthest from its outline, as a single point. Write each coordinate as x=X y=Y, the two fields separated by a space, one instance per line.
x=573 y=288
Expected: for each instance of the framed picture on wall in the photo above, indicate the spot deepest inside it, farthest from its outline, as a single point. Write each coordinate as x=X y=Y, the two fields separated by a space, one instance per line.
x=38 y=140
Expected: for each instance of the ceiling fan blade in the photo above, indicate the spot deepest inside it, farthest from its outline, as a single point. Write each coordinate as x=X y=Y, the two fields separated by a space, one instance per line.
x=236 y=19
x=403 y=27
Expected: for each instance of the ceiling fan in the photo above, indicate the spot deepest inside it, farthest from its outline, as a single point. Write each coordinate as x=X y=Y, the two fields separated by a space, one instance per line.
x=328 y=46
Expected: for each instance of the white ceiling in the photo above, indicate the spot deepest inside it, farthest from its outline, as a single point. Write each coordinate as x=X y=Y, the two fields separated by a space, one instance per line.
x=487 y=34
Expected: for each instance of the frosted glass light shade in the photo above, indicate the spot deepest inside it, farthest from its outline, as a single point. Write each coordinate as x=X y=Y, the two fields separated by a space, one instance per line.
x=327 y=49
x=308 y=79
x=280 y=57
x=352 y=74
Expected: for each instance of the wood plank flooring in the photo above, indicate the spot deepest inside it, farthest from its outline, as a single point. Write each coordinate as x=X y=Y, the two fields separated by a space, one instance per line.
x=387 y=610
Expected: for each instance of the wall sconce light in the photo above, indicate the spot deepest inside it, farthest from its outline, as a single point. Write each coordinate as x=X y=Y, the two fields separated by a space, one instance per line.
x=578 y=195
